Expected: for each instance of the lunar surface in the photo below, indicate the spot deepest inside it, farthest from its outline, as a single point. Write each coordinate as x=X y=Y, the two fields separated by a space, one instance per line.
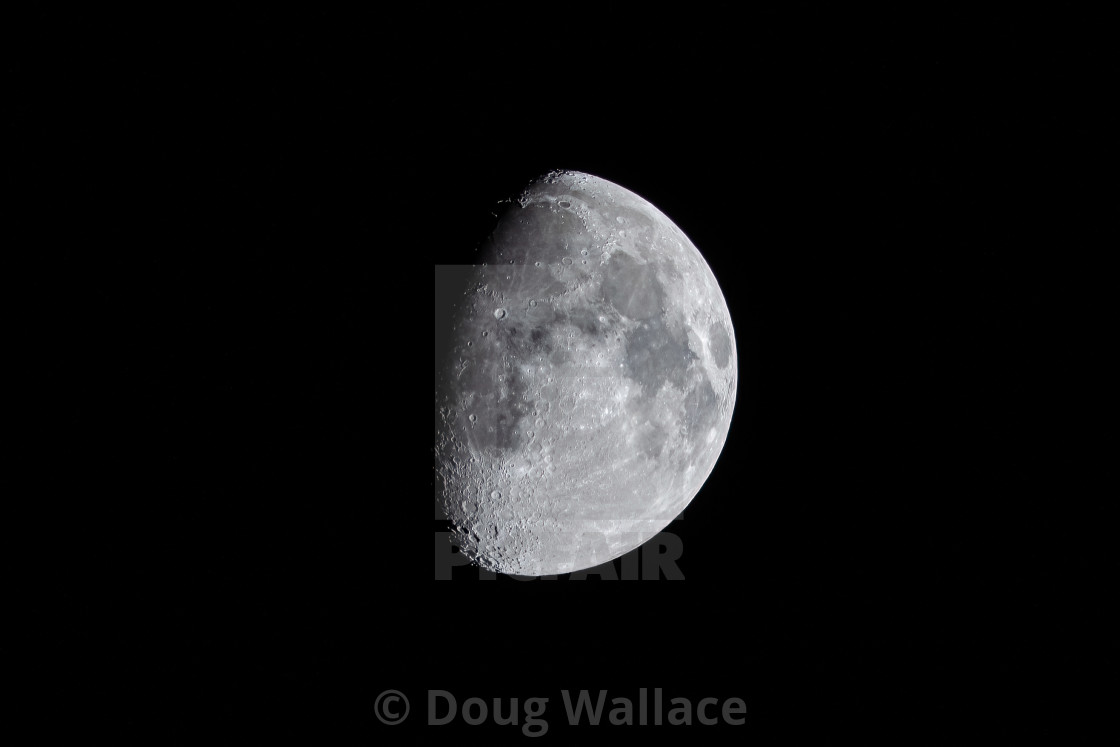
x=589 y=381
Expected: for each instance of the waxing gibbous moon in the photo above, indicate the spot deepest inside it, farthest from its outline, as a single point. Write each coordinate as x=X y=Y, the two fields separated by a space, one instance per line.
x=589 y=384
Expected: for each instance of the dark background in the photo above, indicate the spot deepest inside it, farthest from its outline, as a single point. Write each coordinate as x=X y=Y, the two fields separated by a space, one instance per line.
x=232 y=226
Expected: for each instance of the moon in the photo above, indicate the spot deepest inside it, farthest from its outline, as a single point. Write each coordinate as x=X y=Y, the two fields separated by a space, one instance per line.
x=589 y=382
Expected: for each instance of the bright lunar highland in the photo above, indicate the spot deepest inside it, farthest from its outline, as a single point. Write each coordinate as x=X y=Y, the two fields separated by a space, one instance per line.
x=589 y=382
